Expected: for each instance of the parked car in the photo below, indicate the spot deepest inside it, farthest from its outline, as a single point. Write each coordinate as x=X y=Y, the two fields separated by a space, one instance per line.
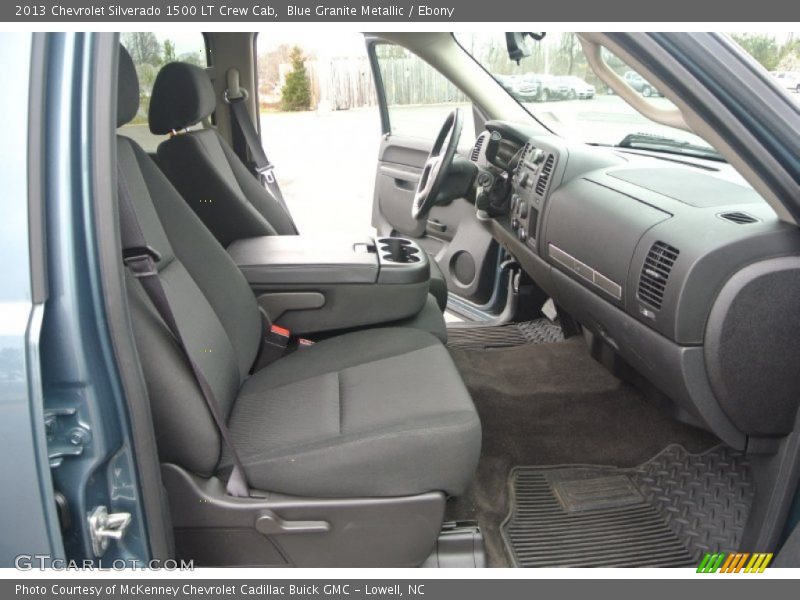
x=789 y=80
x=550 y=88
x=640 y=84
x=519 y=88
x=577 y=88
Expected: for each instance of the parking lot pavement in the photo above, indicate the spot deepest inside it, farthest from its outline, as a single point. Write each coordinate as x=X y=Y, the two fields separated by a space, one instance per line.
x=325 y=164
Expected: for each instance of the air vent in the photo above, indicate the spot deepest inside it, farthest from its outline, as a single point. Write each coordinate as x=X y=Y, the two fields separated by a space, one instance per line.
x=740 y=218
x=544 y=176
x=476 y=149
x=655 y=272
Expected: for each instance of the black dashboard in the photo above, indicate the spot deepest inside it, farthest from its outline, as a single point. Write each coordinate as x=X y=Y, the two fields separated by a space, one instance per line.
x=677 y=265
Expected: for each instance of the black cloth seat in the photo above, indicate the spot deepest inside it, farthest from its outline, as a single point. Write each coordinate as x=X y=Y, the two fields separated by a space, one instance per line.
x=376 y=413
x=207 y=172
x=384 y=402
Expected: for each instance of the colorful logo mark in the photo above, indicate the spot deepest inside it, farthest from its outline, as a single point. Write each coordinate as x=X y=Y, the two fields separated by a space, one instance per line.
x=737 y=562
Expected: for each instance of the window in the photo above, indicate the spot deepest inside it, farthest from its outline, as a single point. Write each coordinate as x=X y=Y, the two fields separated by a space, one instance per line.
x=557 y=86
x=320 y=126
x=418 y=97
x=150 y=51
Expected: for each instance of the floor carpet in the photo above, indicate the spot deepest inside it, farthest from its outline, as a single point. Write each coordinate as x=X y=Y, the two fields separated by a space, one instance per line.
x=552 y=404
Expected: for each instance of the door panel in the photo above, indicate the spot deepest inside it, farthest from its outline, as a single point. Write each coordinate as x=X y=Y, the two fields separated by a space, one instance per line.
x=452 y=235
x=414 y=99
x=400 y=162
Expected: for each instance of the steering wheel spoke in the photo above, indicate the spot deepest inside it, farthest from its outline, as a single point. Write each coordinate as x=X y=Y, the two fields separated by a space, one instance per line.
x=437 y=165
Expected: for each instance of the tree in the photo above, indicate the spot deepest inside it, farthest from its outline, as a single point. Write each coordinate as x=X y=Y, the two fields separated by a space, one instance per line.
x=790 y=54
x=143 y=47
x=760 y=46
x=296 y=92
x=169 y=52
x=193 y=58
x=268 y=64
x=569 y=58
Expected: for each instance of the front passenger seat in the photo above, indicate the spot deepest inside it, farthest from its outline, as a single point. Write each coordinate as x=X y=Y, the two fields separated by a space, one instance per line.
x=207 y=172
x=373 y=414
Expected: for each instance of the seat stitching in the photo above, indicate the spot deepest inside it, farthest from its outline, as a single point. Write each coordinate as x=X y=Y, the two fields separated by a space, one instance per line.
x=435 y=343
x=467 y=424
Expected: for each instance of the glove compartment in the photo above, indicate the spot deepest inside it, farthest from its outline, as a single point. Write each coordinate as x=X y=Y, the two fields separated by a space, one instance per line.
x=592 y=232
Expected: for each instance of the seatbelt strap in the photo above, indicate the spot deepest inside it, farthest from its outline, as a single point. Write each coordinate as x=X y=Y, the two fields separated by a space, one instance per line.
x=241 y=120
x=141 y=261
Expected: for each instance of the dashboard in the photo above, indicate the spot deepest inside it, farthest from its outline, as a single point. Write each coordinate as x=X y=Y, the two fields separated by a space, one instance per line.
x=675 y=264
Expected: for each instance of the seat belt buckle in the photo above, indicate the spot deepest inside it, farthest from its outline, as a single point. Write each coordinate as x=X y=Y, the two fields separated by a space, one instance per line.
x=278 y=336
x=141 y=260
x=267 y=172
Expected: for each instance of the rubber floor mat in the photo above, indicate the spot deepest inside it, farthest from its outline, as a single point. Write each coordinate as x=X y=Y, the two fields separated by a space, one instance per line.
x=539 y=331
x=664 y=513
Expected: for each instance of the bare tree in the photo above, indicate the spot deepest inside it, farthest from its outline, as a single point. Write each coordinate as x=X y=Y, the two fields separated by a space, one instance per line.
x=143 y=47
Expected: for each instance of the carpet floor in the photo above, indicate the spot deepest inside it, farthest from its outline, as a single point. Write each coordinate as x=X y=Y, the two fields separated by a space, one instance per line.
x=552 y=404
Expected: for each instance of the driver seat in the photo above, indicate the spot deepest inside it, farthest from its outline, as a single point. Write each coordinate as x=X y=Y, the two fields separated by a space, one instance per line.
x=209 y=175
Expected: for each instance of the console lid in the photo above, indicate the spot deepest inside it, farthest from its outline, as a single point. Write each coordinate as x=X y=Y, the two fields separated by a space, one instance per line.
x=295 y=259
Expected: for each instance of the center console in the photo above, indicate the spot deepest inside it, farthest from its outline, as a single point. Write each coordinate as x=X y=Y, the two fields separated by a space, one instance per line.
x=312 y=284
x=529 y=187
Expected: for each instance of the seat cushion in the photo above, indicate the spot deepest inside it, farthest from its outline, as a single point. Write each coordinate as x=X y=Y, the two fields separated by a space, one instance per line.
x=429 y=319
x=381 y=412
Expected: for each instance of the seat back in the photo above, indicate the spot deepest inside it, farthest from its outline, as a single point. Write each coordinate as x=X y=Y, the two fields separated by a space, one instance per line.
x=226 y=196
x=213 y=305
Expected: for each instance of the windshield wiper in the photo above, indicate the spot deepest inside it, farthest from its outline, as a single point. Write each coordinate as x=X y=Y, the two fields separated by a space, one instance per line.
x=659 y=143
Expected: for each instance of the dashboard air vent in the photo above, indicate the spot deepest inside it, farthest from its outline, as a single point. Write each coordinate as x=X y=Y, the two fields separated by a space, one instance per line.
x=655 y=272
x=740 y=218
x=544 y=176
x=476 y=149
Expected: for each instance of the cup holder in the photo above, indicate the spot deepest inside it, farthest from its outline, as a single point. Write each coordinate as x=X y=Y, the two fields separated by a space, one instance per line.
x=398 y=250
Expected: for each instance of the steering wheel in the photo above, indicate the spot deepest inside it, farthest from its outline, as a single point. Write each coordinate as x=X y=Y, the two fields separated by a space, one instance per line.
x=437 y=165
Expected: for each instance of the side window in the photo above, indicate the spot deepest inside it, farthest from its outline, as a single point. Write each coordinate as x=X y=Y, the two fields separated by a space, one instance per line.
x=418 y=97
x=150 y=51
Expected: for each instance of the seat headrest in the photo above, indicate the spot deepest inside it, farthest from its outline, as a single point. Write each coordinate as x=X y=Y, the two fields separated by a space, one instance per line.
x=127 y=88
x=182 y=96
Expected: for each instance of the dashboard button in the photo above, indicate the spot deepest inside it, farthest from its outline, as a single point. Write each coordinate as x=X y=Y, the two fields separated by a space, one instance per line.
x=523 y=210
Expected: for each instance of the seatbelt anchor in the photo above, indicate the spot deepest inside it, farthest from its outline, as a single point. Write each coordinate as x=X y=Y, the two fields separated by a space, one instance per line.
x=141 y=260
x=267 y=172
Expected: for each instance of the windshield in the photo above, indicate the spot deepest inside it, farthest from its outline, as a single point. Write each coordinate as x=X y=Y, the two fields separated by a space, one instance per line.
x=557 y=86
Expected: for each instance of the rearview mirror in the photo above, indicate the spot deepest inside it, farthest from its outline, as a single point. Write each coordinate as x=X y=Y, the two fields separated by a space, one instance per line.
x=517 y=48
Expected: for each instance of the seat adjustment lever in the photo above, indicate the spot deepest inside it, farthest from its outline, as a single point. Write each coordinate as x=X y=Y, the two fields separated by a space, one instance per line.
x=269 y=523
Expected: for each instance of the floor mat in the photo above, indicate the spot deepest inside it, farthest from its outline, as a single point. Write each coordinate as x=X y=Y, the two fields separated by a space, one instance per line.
x=539 y=331
x=552 y=404
x=664 y=513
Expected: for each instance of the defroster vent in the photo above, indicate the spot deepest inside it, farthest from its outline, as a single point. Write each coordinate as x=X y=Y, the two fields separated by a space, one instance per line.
x=655 y=272
x=740 y=218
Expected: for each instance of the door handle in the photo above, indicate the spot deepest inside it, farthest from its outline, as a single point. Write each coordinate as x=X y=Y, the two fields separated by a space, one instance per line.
x=437 y=226
x=269 y=523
